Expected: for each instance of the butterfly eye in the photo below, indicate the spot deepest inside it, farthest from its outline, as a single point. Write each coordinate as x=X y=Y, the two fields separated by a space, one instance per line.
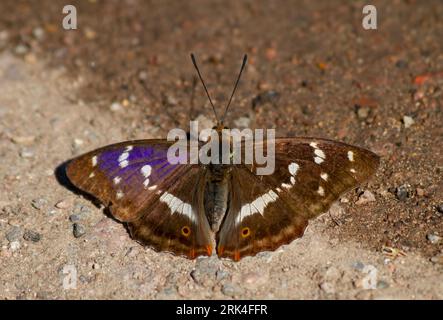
x=186 y=231
x=245 y=232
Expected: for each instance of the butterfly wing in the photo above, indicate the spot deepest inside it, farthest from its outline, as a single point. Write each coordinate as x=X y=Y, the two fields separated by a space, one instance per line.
x=267 y=211
x=161 y=202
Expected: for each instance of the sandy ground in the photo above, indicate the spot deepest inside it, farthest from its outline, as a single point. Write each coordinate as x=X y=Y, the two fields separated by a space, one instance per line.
x=37 y=112
x=63 y=94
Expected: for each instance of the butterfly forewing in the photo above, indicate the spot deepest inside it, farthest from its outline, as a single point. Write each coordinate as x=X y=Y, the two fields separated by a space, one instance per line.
x=141 y=187
x=310 y=174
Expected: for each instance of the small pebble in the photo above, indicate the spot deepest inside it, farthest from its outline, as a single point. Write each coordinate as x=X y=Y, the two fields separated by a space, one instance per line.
x=32 y=236
x=327 y=287
x=437 y=259
x=171 y=100
x=62 y=204
x=221 y=275
x=363 y=112
x=21 y=49
x=401 y=192
x=74 y=218
x=77 y=143
x=269 y=96
x=231 y=290
x=14 y=246
x=143 y=76
x=27 y=153
x=358 y=265
x=440 y=208
x=116 y=107
x=420 y=192
x=39 y=33
x=401 y=64
x=382 y=284
x=408 y=121
x=23 y=140
x=14 y=234
x=78 y=230
x=365 y=197
x=433 y=238
x=39 y=203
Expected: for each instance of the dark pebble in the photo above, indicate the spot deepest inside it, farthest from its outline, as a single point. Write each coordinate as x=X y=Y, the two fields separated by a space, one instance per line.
x=401 y=64
x=74 y=218
x=14 y=234
x=78 y=230
x=39 y=203
x=401 y=192
x=265 y=97
x=33 y=236
x=440 y=208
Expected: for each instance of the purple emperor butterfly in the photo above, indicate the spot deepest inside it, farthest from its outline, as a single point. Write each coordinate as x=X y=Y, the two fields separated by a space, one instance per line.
x=188 y=209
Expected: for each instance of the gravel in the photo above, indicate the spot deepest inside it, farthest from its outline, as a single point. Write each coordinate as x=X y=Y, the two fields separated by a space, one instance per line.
x=401 y=193
x=14 y=234
x=433 y=238
x=32 y=236
x=27 y=153
x=408 y=121
x=365 y=197
x=78 y=230
x=231 y=290
x=39 y=203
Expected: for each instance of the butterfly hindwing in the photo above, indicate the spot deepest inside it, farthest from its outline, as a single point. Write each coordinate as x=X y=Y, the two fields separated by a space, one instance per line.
x=141 y=187
x=310 y=174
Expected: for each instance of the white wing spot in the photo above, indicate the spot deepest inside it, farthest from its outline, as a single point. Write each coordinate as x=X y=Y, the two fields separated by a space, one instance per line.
x=278 y=189
x=119 y=194
x=146 y=170
x=124 y=163
x=146 y=182
x=292 y=180
x=123 y=156
x=94 y=161
x=320 y=153
x=257 y=206
x=152 y=187
x=352 y=170
x=129 y=148
x=92 y=175
x=351 y=156
x=177 y=206
x=321 y=191
x=318 y=160
x=324 y=176
x=285 y=185
x=117 y=180
x=293 y=168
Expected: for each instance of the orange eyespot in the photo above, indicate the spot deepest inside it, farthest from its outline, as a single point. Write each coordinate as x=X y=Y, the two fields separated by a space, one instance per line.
x=245 y=232
x=186 y=231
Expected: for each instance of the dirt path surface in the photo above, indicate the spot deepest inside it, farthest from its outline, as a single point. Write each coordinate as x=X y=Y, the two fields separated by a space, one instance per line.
x=313 y=71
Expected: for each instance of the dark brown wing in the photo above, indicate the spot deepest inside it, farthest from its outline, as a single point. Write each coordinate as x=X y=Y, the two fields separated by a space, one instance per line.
x=161 y=202
x=268 y=211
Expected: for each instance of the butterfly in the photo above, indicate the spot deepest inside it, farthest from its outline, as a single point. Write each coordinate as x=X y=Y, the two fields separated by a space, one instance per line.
x=190 y=209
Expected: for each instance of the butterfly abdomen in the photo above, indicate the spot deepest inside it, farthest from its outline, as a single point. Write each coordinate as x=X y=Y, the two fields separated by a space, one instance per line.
x=216 y=195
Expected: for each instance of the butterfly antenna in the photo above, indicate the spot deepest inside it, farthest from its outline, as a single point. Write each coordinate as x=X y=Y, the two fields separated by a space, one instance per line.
x=204 y=85
x=245 y=59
